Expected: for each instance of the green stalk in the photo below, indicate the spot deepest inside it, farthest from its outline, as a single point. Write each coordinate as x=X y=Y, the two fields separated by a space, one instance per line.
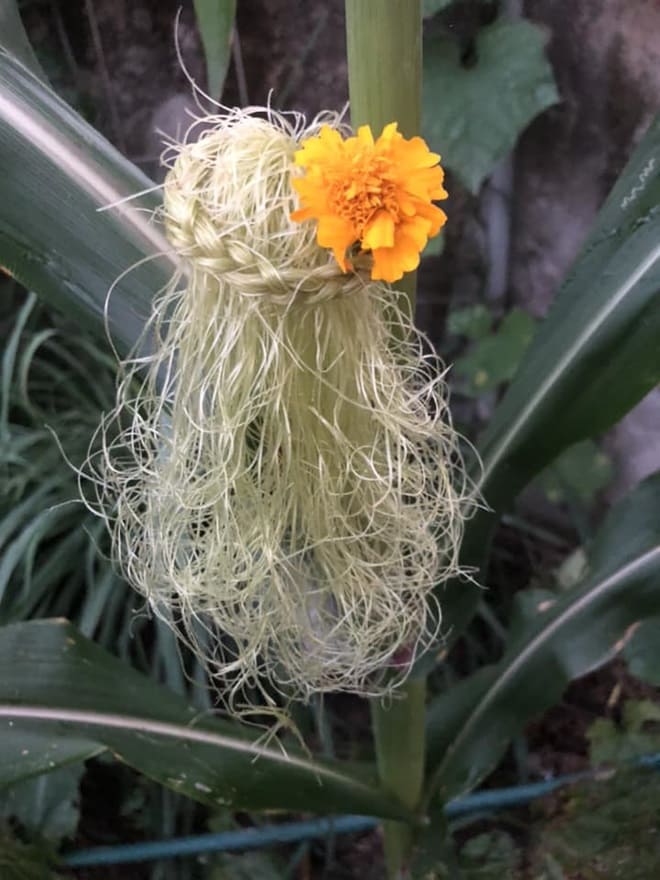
x=398 y=728
x=384 y=46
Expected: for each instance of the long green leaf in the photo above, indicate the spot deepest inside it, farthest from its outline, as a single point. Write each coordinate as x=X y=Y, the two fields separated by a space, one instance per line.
x=593 y=358
x=215 y=19
x=53 y=675
x=57 y=172
x=26 y=751
x=582 y=630
x=14 y=39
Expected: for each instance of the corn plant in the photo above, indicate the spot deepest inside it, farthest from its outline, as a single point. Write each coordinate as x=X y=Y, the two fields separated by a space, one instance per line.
x=64 y=697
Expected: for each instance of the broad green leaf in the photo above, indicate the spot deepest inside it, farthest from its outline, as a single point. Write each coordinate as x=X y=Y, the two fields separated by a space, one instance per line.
x=637 y=734
x=474 y=322
x=46 y=805
x=54 y=676
x=606 y=829
x=495 y=358
x=592 y=359
x=57 y=172
x=22 y=861
x=577 y=474
x=27 y=751
x=584 y=628
x=473 y=115
x=215 y=19
x=596 y=354
x=14 y=39
x=432 y=7
x=642 y=652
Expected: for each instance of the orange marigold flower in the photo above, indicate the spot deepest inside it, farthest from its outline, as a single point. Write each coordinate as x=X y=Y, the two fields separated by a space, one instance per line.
x=375 y=193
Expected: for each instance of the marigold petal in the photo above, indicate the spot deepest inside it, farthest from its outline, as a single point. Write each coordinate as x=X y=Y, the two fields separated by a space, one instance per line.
x=414 y=153
x=436 y=215
x=338 y=234
x=379 y=231
x=320 y=148
x=389 y=131
x=391 y=263
x=364 y=135
x=418 y=228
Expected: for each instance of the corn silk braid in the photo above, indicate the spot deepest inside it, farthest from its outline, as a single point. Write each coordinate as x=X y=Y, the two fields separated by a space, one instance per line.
x=280 y=476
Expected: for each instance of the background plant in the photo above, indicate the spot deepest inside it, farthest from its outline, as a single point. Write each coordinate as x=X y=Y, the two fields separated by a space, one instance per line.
x=588 y=363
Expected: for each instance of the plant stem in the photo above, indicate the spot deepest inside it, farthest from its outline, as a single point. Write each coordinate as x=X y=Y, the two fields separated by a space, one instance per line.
x=384 y=46
x=398 y=728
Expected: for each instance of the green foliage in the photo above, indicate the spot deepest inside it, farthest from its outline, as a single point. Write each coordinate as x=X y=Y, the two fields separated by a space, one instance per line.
x=54 y=161
x=54 y=383
x=642 y=651
x=248 y=866
x=473 y=114
x=473 y=322
x=638 y=734
x=432 y=7
x=605 y=830
x=46 y=805
x=53 y=674
x=489 y=856
x=21 y=861
x=14 y=38
x=591 y=360
x=565 y=639
x=215 y=19
x=578 y=474
x=494 y=358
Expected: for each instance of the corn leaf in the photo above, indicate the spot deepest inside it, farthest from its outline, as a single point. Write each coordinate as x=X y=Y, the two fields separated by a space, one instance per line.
x=215 y=19
x=57 y=172
x=54 y=677
x=14 y=39
x=592 y=359
x=470 y=727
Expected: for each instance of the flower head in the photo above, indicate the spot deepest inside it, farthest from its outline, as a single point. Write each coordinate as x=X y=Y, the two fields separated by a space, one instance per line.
x=375 y=193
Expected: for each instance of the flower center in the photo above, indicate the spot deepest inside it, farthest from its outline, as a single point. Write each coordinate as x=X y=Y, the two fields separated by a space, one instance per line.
x=358 y=196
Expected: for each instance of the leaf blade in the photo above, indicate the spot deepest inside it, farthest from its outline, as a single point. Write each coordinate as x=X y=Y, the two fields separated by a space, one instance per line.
x=61 y=679
x=58 y=172
x=585 y=628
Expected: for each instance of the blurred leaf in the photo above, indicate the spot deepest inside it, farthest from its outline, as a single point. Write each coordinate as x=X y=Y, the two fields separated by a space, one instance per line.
x=584 y=628
x=494 y=359
x=636 y=736
x=473 y=115
x=579 y=473
x=642 y=652
x=249 y=866
x=431 y=7
x=603 y=830
x=489 y=856
x=14 y=39
x=435 y=246
x=27 y=751
x=46 y=805
x=57 y=172
x=593 y=358
x=21 y=861
x=573 y=569
x=215 y=19
x=52 y=675
x=474 y=322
